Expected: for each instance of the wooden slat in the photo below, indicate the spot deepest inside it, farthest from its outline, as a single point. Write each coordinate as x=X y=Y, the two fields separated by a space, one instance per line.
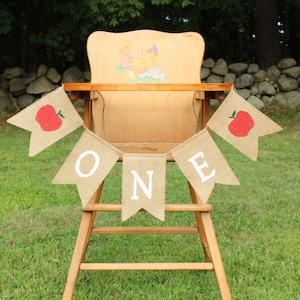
x=147 y=87
x=145 y=266
x=145 y=147
x=168 y=207
x=145 y=230
x=154 y=148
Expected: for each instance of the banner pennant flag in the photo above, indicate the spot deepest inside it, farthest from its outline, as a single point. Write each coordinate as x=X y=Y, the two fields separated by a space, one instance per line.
x=143 y=184
x=203 y=164
x=87 y=165
x=240 y=124
x=49 y=119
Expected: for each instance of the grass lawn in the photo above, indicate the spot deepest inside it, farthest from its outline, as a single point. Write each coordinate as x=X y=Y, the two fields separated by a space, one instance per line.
x=256 y=223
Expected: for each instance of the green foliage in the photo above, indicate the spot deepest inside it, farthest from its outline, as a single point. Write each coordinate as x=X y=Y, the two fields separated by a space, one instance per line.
x=55 y=32
x=160 y=2
x=6 y=20
x=114 y=13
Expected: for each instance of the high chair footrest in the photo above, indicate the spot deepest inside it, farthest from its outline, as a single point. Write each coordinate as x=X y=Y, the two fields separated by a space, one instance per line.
x=145 y=266
x=168 y=207
x=145 y=230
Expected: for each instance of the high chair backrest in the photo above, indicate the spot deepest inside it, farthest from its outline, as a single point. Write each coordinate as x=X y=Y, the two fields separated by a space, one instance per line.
x=145 y=121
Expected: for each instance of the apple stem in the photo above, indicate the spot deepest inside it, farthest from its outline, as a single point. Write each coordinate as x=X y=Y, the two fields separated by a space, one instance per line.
x=60 y=114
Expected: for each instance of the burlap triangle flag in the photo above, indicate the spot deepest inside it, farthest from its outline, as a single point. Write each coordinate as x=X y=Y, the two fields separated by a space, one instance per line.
x=87 y=165
x=203 y=164
x=240 y=124
x=143 y=184
x=49 y=119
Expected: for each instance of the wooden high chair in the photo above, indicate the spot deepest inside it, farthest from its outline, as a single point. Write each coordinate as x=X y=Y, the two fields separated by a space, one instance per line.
x=145 y=96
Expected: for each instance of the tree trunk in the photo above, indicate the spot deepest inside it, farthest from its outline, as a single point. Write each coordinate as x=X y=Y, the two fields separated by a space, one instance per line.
x=268 y=48
x=32 y=60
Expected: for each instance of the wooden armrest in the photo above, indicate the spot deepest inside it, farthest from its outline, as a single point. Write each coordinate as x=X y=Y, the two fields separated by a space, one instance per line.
x=201 y=87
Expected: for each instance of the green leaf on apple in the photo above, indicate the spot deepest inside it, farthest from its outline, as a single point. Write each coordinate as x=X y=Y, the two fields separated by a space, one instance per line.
x=233 y=114
x=61 y=114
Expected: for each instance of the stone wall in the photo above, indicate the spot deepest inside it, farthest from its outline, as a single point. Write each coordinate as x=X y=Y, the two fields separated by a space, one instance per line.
x=278 y=85
x=19 y=89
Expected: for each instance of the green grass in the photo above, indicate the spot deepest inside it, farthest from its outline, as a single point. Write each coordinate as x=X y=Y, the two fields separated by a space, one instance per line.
x=256 y=223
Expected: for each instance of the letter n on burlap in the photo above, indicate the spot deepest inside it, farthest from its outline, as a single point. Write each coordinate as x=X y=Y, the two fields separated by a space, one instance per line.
x=143 y=184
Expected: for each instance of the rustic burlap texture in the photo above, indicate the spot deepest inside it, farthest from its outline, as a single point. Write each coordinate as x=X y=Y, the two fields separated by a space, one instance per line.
x=203 y=164
x=143 y=184
x=62 y=109
x=87 y=165
x=221 y=119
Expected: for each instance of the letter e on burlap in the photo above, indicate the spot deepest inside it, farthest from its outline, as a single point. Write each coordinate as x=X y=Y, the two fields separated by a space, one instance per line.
x=203 y=164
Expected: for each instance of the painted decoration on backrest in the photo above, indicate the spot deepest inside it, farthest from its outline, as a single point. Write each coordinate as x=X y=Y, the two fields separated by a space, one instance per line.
x=141 y=65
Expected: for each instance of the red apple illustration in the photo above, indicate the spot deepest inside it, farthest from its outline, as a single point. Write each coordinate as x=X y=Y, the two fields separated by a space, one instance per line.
x=48 y=119
x=242 y=123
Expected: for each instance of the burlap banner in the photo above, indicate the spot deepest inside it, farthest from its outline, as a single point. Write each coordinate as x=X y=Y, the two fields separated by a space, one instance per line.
x=203 y=164
x=144 y=175
x=87 y=165
x=240 y=124
x=143 y=184
x=49 y=119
